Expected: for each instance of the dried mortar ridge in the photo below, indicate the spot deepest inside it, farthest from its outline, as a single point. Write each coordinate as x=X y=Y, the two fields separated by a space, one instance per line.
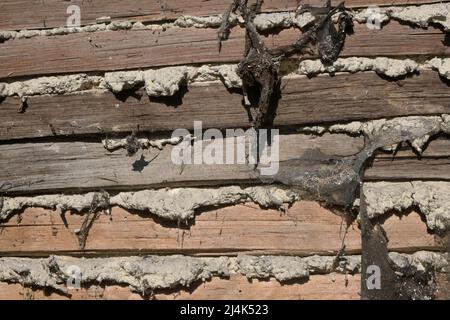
x=422 y=15
x=120 y=81
x=150 y=273
x=285 y=268
x=60 y=202
x=114 y=144
x=338 y=182
x=442 y=65
x=51 y=85
x=174 y=204
x=409 y=264
x=167 y=81
x=142 y=274
x=267 y=21
x=384 y=66
x=432 y=198
x=113 y=26
x=180 y=203
x=158 y=82
x=388 y=133
x=263 y=21
x=214 y=21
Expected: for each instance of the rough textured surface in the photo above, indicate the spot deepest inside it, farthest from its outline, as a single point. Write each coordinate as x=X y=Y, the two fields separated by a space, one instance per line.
x=149 y=273
x=409 y=264
x=264 y=21
x=180 y=204
x=338 y=183
x=142 y=274
x=167 y=81
x=158 y=82
x=388 y=133
x=51 y=85
x=442 y=65
x=113 y=26
x=119 y=81
x=384 y=66
x=422 y=16
x=62 y=203
x=173 y=204
x=432 y=198
x=285 y=268
x=114 y=144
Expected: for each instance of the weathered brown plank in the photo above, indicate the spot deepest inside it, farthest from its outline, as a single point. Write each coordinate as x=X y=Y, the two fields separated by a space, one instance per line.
x=438 y=147
x=331 y=287
x=344 y=97
x=305 y=229
x=79 y=166
x=30 y=167
x=407 y=168
x=35 y=14
x=120 y=50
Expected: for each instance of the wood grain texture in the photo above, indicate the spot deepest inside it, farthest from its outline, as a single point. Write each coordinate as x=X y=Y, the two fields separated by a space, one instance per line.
x=322 y=99
x=305 y=229
x=331 y=287
x=406 y=169
x=36 y=14
x=77 y=166
x=80 y=166
x=133 y=49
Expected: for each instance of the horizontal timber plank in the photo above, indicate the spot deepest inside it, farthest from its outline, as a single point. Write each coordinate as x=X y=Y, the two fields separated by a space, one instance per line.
x=305 y=229
x=344 y=97
x=133 y=49
x=41 y=167
x=438 y=147
x=405 y=169
x=37 y=14
x=81 y=166
x=237 y=287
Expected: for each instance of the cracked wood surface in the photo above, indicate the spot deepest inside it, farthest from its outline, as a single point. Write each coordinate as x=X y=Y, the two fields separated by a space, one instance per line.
x=35 y=167
x=330 y=286
x=81 y=166
x=36 y=14
x=305 y=229
x=322 y=99
x=133 y=49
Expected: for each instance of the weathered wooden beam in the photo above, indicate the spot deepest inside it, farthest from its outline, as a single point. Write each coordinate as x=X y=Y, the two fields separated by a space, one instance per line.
x=331 y=286
x=36 y=167
x=406 y=169
x=35 y=14
x=80 y=166
x=133 y=49
x=341 y=98
x=305 y=229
